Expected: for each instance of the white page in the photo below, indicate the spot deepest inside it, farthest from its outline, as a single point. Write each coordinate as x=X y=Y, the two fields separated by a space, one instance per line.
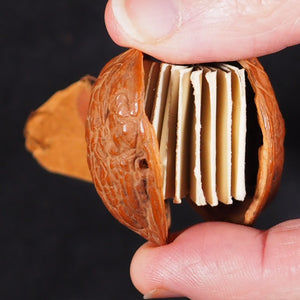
x=183 y=135
x=168 y=135
x=160 y=99
x=208 y=136
x=152 y=71
x=239 y=118
x=196 y=191
x=224 y=122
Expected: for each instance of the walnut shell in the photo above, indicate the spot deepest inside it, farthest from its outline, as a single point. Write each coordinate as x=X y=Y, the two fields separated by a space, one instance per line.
x=123 y=151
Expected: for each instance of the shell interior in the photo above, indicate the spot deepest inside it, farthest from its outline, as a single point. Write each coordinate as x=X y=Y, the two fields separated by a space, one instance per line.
x=201 y=117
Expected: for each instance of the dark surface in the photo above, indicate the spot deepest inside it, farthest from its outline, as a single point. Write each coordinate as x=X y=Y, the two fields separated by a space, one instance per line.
x=57 y=239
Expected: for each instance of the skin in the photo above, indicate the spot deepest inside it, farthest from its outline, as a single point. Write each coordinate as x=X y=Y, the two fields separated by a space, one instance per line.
x=245 y=263
x=191 y=31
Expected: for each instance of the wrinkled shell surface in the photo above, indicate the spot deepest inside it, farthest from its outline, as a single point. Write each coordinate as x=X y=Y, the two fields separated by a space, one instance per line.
x=123 y=152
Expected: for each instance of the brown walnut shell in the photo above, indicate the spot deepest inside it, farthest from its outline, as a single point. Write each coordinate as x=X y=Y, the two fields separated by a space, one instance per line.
x=123 y=151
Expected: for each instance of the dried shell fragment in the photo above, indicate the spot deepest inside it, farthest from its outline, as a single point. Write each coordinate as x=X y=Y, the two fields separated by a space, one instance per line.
x=55 y=132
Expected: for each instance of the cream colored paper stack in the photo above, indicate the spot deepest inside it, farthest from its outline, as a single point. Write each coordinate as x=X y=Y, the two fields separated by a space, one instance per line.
x=199 y=115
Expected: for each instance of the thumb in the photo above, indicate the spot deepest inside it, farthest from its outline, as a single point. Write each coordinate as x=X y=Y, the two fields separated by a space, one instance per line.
x=193 y=31
x=222 y=261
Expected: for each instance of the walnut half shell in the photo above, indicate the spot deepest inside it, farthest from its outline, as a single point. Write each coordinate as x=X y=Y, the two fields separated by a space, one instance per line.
x=125 y=147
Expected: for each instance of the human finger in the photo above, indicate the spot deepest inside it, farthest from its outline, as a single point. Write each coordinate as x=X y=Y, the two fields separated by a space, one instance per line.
x=192 y=31
x=222 y=261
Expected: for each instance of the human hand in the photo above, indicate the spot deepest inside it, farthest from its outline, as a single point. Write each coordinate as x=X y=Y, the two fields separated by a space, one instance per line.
x=217 y=260
x=214 y=260
x=191 y=31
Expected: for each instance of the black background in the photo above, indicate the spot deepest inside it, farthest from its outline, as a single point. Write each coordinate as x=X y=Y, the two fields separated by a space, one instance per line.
x=57 y=239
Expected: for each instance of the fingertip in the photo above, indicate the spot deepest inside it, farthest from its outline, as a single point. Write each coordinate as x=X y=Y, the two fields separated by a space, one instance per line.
x=113 y=27
x=143 y=268
x=222 y=261
x=207 y=31
x=192 y=263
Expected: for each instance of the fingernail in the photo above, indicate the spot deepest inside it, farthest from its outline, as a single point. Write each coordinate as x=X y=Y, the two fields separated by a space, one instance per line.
x=159 y=293
x=149 y=21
